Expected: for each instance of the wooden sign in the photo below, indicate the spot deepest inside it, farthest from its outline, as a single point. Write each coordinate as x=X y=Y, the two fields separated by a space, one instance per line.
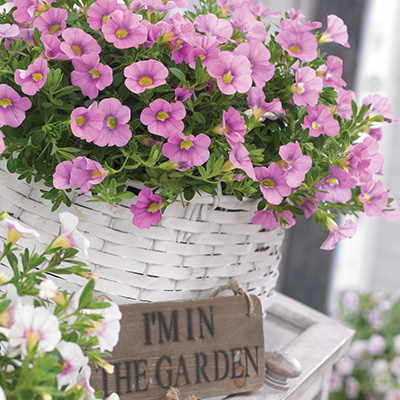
x=208 y=347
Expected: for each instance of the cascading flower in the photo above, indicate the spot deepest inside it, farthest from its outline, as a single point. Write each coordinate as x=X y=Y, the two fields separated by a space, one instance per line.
x=99 y=12
x=74 y=361
x=232 y=126
x=338 y=233
x=147 y=209
x=146 y=74
x=259 y=107
x=52 y=50
x=239 y=157
x=86 y=173
x=205 y=47
x=28 y=9
x=269 y=219
x=331 y=73
x=116 y=130
x=374 y=197
x=15 y=229
x=320 y=120
x=307 y=87
x=336 y=32
x=86 y=123
x=53 y=21
x=77 y=43
x=124 y=30
x=163 y=118
x=90 y=75
x=33 y=78
x=218 y=28
x=380 y=105
x=12 y=106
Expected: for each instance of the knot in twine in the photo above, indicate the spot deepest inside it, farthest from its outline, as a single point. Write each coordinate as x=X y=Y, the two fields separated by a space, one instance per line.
x=174 y=394
x=237 y=290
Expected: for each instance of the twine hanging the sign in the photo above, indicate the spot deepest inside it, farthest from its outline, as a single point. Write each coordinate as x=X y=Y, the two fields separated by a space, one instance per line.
x=237 y=290
x=174 y=394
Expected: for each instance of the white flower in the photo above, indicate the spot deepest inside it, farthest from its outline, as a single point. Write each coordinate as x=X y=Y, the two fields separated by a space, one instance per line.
x=380 y=368
x=34 y=326
x=113 y=396
x=74 y=360
x=350 y=300
x=344 y=366
x=69 y=236
x=84 y=381
x=376 y=345
x=15 y=229
x=2 y=394
x=352 y=388
x=357 y=349
x=48 y=290
x=107 y=330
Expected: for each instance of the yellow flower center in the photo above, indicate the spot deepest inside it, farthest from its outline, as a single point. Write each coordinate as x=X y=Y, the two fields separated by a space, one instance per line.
x=121 y=33
x=106 y=17
x=145 y=81
x=77 y=49
x=81 y=120
x=153 y=207
x=95 y=74
x=367 y=198
x=294 y=48
x=227 y=77
x=37 y=76
x=202 y=56
x=32 y=339
x=5 y=102
x=61 y=241
x=5 y=318
x=111 y=122
x=162 y=116
x=333 y=181
x=315 y=125
x=96 y=173
x=55 y=28
x=282 y=164
x=186 y=144
x=227 y=129
x=300 y=88
x=13 y=235
x=269 y=183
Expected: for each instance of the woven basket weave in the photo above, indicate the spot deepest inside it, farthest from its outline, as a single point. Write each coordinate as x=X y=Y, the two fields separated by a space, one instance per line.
x=194 y=250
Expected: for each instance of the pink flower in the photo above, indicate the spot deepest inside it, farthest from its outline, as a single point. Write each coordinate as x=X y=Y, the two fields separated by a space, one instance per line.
x=183 y=94
x=302 y=45
x=52 y=48
x=206 y=48
x=27 y=9
x=86 y=173
x=233 y=73
x=233 y=126
x=344 y=100
x=352 y=388
x=99 y=12
x=124 y=30
x=144 y=75
x=163 y=118
x=239 y=157
x=376 y=133
x=393 y=213
x=376 y=345
x=308 y=207
x=272 y=183
x=245 y=22
x=2 y=144
x=191 y=150
x=258 y=55
x=337 y=233
x=331 y=73
x=337 y=184
x=8 y=31
x=270 y=220
x=12 y=106
x=147 y=210
x=32 y=79
x=52 y=21
x=211 y=25
x=87 y=122
x=320 y=120
x=62 y=175
x=336 y=32
x=294 y=164
x=380 y=106
x=116 y=130
x=307 y=87
x=77 y=43
x=90 y=75
x=256 y=101
x=374 y=197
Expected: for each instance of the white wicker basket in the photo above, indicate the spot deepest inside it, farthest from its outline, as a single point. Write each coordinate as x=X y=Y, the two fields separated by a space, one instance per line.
x=193 y=251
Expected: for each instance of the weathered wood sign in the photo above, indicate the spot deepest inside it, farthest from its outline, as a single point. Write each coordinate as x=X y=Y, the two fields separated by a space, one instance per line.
x=208 y=347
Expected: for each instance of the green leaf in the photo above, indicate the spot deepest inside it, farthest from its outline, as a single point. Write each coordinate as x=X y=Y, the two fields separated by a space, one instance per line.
x=87 y=295
x=179 y=74
x=188 y=194
x=199 y=118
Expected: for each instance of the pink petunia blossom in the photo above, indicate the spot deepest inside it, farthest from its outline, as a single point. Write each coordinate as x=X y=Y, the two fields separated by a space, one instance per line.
x=344 y=100
x=374 y=197
x=52 y=21
x=239 y=157
x=147 y=210
x=295 y=26
x=337 y=233
x=336 y=32
x=86 y=123
x=8 y=31
x=273 y=185
x=77 y=43
x=380 y=105
x=331 y=73
x=267 y=219
x=232 y=126
x=307 y=87
x=250 y=26
x=320 y=120
x=308 y=206
x=161 y=31
x=99 y=12
x=261 y=11
x=32 y=79
x=336 y=187
x=392 y=214
x=233 y=73
x=124 y=30
x=146 y=74
x=259 y=107
x=2 y=144
x=116 y=130
x=163 y=118
x=12 y=106
x=90 y=75
x=28 y=9
x=206 y=48
x=376 y=133
x=52 y=50
x=294 y=164
x=183 y=94
x=62 y=175
x=258 y=55
x=86 y=173
x=218 y=28
x=191 y=150
x=301 y=45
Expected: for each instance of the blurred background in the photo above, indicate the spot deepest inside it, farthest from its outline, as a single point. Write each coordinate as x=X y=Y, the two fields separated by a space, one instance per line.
x=370 y=261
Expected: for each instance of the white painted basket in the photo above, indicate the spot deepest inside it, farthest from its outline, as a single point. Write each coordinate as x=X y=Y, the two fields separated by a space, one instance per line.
x=193 y=250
